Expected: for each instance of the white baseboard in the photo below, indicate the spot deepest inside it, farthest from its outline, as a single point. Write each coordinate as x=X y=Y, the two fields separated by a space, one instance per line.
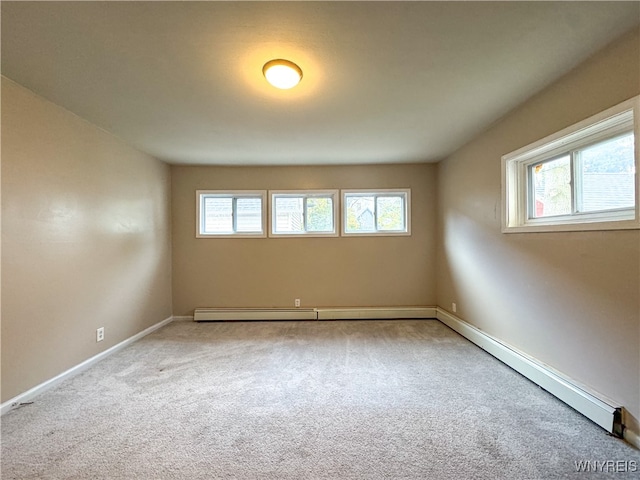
x=598 y=409
x=249 y=314
x=38 y=389
x=321 y=313
x=375 y=313
x=183 y=318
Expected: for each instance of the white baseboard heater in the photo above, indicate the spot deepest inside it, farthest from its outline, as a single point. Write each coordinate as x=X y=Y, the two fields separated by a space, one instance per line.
x=375 y=313
x=246 y=314
x=249 y=314
x=600 y=410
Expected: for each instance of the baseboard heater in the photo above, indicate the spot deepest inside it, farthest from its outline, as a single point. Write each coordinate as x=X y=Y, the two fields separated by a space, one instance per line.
x=593 y=406
x=375 y=313
x=249 y=314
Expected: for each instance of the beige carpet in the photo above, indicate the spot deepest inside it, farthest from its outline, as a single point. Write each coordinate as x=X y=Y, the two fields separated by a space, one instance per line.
x=303 y=400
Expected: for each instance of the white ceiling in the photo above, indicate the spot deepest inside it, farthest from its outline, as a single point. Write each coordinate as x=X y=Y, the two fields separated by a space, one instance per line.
x=383 y=81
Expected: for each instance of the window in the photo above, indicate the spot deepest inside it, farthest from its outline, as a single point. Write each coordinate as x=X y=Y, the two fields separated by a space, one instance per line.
x=379 y=212
x=582 y=178
x=224 y=214
x=308 y=213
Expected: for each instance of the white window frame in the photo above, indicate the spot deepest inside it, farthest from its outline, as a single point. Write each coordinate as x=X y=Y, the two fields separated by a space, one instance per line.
x=234 y=194
x=273 y=194
x=516 y=189
x=379 y=192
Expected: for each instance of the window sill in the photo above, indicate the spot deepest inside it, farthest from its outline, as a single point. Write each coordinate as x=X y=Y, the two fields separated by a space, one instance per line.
x=574 y=227
x=231 y=235
x=303 y=235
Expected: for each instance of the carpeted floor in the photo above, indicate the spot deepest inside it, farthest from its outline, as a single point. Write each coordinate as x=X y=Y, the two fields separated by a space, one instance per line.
x=304 y=400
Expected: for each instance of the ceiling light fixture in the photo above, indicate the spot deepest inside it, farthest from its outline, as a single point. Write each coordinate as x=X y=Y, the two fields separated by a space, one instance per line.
x=282 y=74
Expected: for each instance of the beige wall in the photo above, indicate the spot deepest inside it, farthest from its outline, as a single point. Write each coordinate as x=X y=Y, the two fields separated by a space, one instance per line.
x=569 y=299
x=85 y=240
x=86 y=243
x=272 y=272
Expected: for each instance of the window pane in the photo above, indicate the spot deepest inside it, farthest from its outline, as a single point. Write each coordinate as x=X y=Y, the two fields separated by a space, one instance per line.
x=218 y=216
x=390 y=213
x=551 y=183
x=249 y=215
x=607 y=175
x=319 y=214
x=288 y=216
x=360 y=214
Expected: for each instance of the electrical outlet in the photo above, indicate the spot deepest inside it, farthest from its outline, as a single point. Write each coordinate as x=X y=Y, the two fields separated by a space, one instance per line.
x=297 y=303
x=454 y=308
x=100 y=334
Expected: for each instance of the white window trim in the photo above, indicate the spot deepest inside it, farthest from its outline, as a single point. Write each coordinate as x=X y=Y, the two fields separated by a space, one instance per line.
x=514 y=175
x=376 y=191
x=304 y=193
x=231 y=193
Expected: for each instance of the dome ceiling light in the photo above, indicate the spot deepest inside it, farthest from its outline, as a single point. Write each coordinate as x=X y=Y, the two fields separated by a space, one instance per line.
x=282 y=74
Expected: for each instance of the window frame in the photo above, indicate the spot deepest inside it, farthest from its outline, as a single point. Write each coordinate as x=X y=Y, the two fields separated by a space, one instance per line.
x=234 y=195
x=379 y=192
x=518 y=199
x=324 y=193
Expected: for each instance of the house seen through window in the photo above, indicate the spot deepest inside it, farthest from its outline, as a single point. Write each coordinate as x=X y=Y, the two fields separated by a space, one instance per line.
x=310 y=213
x=597 y=178
x=376 y=212
x=582 y=178
x=230 y=213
